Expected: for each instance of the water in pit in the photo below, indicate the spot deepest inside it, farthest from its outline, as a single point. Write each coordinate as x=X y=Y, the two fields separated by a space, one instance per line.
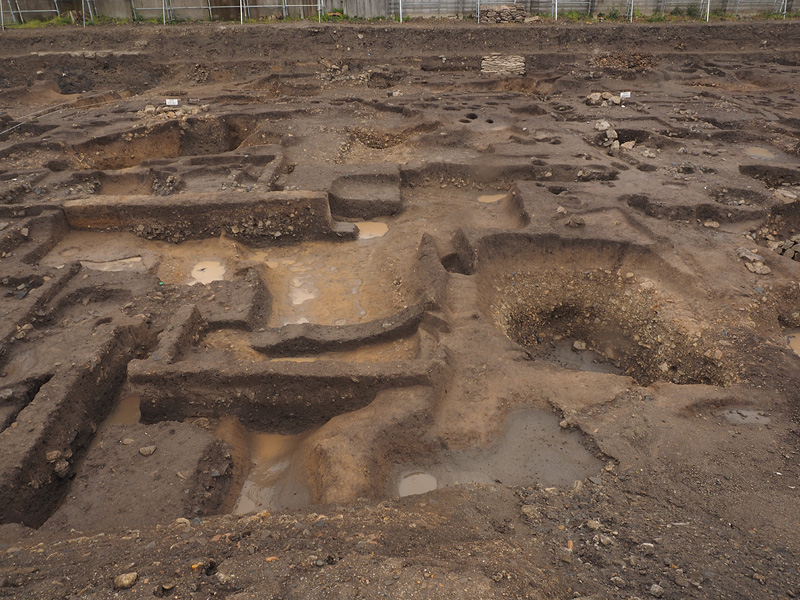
x=416 y=483
x=533 y=448
x=207 y=271
x=126 y=412
x=491 y=198
x=793 y=339
x=759 y=152
x=270 y=484
x=371 y=229
x=134 y=263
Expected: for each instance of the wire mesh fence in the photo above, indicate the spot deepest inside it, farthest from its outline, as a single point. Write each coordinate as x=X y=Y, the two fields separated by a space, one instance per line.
x=18 y=12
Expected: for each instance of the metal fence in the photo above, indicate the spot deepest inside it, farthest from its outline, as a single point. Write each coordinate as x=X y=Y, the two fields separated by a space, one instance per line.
x=565 y=6
x=168 y=10
x=16 y=12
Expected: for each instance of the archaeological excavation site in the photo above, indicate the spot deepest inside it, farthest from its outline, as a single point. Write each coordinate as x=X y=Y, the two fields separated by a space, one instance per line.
x=421 y=310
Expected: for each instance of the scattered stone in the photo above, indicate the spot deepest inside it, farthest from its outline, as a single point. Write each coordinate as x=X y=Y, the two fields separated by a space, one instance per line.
x=61 y=468
x=749 y=255
x=125 y=581
x=53 y=456
x=147 y=450
x=603 y=99
x=711 y=224
x=602 y=125
x=576 y=222
x=656 y=590
x=786 y=196
x=594 y=99
x=594 y=524
x=127 y=441
x=758 y=268
x=578 y=345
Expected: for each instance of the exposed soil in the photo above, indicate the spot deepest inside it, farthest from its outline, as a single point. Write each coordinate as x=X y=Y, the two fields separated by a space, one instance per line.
x=417 y=311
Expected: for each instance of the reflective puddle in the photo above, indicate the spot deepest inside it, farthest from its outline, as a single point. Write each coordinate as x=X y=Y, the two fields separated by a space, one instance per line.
x=416 y=483
x=270 y=484
x=759 y=152
x=371 y=229
x=532 y=449
x=491 y=198
x=793 y=338
x=741 y=416
x=134 y=263
x=207 y=271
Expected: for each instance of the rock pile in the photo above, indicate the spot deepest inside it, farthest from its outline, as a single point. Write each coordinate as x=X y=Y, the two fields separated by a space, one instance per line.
x=503 y=64
x=754 y=262
x=503 y=13
x=603 y=99
x=790 y=248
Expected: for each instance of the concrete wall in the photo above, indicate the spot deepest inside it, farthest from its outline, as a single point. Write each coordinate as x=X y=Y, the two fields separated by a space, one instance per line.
x=228 y=10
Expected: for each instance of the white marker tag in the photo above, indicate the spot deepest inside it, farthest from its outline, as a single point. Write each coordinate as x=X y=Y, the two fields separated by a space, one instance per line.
x=624 y=95
x=172 y=102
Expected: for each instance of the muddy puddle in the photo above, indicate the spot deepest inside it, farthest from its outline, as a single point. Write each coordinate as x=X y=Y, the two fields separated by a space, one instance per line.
x=207 y=271
x=368 y=230
x=573 y=355
x=125 y=412
x=532 y=449
x=271 y=483
x=332 y=283
x=759 y=153
x=793 y=339
x=744 y=416
x=134 y=263
x=491 y=198
x=328 y=283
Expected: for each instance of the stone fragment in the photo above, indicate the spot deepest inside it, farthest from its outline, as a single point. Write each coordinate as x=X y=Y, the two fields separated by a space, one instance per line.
x=147 y=450
x=125 y=581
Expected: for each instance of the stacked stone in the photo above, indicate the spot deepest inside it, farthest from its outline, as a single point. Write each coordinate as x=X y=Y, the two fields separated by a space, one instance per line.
x=790 y=248
x=500 y=64
x=503 y=13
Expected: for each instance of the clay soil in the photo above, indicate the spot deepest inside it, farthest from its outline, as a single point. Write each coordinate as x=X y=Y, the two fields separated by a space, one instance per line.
x=420 y=310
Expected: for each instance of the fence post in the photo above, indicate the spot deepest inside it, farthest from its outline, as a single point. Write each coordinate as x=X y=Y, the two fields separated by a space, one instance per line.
x=708 y=10
x=401 y=11
x=2 y=16
x=83 y=12
x=241 y=12
x=555 y=10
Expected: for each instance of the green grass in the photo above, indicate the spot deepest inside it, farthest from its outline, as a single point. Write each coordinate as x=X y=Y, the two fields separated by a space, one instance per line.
x=54 y=22
x=574 y=16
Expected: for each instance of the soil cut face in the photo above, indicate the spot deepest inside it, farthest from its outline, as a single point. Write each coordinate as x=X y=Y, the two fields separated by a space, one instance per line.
x=358 y=314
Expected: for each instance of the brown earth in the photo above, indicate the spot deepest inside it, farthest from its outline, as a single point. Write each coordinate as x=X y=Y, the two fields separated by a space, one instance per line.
x=245 y=337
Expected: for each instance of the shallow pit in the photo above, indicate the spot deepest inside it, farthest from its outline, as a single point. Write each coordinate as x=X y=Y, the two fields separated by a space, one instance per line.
x=270 y=482
x=793 y=339
x=532 y=448
x=207 y=271
x=558 y=311
x=371 y=229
